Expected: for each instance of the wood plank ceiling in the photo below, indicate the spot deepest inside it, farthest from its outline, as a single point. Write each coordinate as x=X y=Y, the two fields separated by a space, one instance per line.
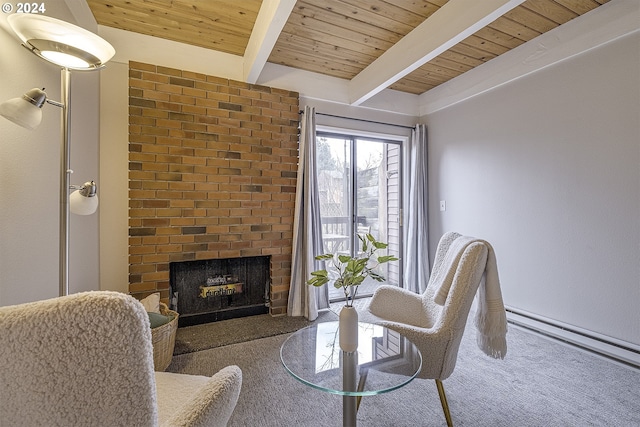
x=222 y=25
x=339 y=38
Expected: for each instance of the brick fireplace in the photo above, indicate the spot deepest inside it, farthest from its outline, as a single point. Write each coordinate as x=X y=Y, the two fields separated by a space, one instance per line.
x=212 y=175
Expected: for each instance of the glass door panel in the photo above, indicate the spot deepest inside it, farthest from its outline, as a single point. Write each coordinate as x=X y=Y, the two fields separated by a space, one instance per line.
x=370 y=200
x=333 y=157
x=359 y=186
x=377 y=203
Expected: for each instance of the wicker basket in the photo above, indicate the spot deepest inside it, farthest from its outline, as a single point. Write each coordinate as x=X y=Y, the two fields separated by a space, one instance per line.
x=164 y=339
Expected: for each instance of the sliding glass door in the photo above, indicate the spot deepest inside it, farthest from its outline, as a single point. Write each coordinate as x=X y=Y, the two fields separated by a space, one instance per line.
x=359 y=187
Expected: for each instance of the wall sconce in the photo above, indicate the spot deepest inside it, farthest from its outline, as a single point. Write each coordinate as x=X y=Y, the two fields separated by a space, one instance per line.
x=71 y=48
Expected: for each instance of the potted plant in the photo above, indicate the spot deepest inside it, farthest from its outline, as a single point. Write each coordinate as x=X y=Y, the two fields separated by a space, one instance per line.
x=347 y=273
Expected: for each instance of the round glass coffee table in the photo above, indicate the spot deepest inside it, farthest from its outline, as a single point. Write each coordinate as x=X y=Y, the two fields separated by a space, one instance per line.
x=384 y=361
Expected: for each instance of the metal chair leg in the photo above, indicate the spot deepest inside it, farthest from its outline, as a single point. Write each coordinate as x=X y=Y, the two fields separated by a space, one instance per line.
x=443 y=401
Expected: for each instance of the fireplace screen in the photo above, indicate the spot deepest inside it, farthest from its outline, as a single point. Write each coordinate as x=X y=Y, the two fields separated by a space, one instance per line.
x=217 y=289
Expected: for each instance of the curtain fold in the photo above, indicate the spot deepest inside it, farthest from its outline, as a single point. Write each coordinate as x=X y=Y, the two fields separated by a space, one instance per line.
x=305 y=300
x=416 y=260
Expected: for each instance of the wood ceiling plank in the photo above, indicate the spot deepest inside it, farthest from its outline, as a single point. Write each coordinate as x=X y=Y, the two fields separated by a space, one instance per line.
x=425 y=76
x=308 y=21
x=530 y=19
x=428 y=76
x=498 y=37
x=247 y=10
x=436 y=72
x=453 y=56
x=423 y=80
x=385 y=10
x=455 y=66
x=225 y=28
x=180 y=12
x=472 y=52
x=331 y=51
x=363 y=15
x=172 y=26
x=339 y=55
x=551 y=10
x=317 y=64
x=298 y=24
x=579 y=6
x=438 y=3
x=230 y=7
x=514 y=29
x=212 y=21
x=222 y=42
x=341 y=39
x=107 y=16
x=311 y=12
x=410 y=87
x=484 y=45
x=423 y=8
x=418 y=82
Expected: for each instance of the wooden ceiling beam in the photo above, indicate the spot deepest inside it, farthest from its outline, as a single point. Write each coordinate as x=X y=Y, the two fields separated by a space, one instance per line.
x=452 y=23
x=272 y=17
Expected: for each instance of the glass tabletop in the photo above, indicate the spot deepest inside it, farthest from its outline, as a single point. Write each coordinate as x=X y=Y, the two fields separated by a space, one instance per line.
x=384 y=361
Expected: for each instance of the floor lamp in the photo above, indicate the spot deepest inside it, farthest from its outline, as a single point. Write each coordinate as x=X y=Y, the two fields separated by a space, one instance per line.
x=71 y=48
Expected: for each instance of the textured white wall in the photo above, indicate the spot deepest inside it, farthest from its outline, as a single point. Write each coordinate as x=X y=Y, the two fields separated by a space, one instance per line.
x=547 y=168
x=30 y=173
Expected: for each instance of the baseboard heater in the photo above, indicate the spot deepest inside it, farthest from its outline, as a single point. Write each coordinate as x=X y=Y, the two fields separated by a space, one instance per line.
x=610 y=348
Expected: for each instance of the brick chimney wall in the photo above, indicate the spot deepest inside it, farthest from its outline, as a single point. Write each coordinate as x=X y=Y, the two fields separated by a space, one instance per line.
x=212 y=174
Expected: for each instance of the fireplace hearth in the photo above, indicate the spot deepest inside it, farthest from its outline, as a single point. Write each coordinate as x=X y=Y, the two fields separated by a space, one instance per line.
x=218 y=289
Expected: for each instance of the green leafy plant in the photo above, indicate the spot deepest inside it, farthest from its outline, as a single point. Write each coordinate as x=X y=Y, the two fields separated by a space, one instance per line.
x=348 y=272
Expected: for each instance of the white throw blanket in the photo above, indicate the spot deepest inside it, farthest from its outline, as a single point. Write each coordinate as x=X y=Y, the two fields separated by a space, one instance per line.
x=491 y=319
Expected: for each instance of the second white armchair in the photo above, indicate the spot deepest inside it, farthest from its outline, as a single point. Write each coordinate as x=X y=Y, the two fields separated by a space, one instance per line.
x=435 y=320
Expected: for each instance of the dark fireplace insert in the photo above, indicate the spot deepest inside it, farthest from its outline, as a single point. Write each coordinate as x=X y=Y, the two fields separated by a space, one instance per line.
x=206 y=291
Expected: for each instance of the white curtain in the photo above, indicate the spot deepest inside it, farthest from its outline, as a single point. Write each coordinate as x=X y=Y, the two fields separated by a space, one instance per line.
x=305 y=300
x=416 y=260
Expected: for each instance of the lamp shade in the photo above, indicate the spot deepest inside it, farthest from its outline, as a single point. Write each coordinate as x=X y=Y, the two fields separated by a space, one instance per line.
x=84 y=201
x=82 y=205
x=21 y=112
x=60 y=42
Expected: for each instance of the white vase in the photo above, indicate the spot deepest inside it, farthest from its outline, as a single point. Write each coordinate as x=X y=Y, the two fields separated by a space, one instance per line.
x=348 y=328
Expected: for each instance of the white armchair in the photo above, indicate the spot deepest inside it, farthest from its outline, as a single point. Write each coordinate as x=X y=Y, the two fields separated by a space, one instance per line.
x=435 y=320
x=87 y=360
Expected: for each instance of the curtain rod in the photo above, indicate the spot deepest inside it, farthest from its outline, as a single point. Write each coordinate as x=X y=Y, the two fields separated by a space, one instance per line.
x=360 y=120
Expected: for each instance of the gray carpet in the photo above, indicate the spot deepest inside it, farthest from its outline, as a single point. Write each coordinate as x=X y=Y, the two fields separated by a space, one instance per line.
x=540 y=383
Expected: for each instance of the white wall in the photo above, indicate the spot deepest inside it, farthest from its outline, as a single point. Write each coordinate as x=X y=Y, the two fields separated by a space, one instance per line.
x=114 y=179
x=547 y=168
x=30 y=176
